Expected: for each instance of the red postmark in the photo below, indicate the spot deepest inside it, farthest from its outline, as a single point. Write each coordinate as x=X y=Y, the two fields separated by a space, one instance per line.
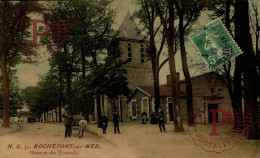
x=217 y=132
x=55 y=31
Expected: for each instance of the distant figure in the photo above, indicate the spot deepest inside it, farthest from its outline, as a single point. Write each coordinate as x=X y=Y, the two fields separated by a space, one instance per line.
x=144 y=119
x=153 y=118
x=161 y=119
x=68 y=123
x=82 y=126
x=116 y=122
x=104 y=122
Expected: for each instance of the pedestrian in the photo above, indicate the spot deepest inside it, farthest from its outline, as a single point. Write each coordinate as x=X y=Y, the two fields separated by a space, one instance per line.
x=68 y=123
x=144 y=119
x=82 y=126
x=153 y=119
x=161 y=119
x=116 y=122
x=104 y=122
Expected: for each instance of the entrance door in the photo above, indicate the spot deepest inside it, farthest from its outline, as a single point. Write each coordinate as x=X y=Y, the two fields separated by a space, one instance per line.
x=212 y=106
x=170 y=112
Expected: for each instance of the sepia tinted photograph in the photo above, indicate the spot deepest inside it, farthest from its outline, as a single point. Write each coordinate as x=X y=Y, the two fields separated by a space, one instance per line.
x=129 y=79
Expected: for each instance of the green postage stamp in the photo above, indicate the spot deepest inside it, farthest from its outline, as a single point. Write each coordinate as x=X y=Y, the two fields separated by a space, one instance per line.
x=215 y=44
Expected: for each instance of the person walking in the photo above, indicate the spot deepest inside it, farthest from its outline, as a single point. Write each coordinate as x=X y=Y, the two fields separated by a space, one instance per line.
x=82 y=126
x=68 y=123
x=116 y=122
x=104 y=122
x=161 y=118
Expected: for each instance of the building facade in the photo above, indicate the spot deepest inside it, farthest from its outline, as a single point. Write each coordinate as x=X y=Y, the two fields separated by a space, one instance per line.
x=133 y=49
x=209 y=93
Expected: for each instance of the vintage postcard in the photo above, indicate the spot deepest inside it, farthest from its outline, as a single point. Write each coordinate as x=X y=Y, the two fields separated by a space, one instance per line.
x=129 y=79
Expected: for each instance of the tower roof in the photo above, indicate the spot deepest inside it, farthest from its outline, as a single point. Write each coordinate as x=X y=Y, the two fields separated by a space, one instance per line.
x=129 y=29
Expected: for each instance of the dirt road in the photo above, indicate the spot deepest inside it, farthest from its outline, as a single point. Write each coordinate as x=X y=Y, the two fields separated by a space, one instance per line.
x=42 y=140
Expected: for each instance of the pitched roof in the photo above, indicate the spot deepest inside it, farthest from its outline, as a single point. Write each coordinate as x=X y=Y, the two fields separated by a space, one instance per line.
x=129 y=29
x=165 y=90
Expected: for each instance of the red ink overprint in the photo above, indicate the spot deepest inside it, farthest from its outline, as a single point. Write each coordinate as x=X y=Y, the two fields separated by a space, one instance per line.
x=221 y=134
x=58 y=31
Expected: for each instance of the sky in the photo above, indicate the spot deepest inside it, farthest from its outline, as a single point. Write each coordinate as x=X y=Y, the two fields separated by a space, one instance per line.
x=28 y=74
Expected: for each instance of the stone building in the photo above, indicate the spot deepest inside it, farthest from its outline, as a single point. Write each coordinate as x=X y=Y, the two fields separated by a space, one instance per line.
x=133 y=48
x=208 y=93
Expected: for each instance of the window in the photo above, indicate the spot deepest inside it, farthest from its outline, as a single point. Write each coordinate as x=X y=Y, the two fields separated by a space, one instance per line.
x=170 y=109
x=142 y=53
x=145 y=105
x=129 y=58
x=133 y=109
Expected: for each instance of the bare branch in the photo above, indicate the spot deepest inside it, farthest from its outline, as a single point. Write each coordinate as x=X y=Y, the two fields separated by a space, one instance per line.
x=162 y=64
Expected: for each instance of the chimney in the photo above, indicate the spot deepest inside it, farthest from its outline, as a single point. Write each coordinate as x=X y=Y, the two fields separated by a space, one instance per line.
x=169 y=78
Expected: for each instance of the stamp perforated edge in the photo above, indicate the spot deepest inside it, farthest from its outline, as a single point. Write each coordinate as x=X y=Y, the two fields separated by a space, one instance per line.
x=204 y=60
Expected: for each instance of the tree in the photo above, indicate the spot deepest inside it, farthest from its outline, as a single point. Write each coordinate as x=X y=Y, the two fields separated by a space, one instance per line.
x=148 y=17
x=67 y=64
x=92 y=31
x=57 y=75
x=230 y=72
x=10 y=57
x=255 y=25
x=42 y=98
x=16 y=100
x=108 y=78
x=187 y=11
x=167 y=21
x=247 y=63
x=30 y=95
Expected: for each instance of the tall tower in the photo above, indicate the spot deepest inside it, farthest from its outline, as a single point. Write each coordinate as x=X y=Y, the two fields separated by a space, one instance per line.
x=133 y=47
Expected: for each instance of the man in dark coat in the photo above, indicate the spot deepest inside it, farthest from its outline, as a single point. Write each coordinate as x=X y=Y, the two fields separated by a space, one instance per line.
x=116 y=122
x=104 y=121
x=161 y=119
x=68 y=123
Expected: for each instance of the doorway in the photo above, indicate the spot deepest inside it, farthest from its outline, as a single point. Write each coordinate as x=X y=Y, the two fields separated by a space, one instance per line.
x=170 y=112
x=212 y=106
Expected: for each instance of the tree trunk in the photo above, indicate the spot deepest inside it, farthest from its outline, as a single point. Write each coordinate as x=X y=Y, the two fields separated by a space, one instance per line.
x=186 y=72
x=93 y=54
x=5 y=88
x=98 y=108
x=5 y=72
x=248 y=65
x=60 y=105
x=61 y=94
x=51 y=115
x=69 y=94
x=155 y=67
x=56 y=115
x=175 y=88
x=85 y=105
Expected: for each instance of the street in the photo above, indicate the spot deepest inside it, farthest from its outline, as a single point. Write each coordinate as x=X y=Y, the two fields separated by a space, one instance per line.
x=135 y=141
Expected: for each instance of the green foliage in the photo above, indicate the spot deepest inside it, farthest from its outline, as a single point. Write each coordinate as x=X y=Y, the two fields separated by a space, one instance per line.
x=16 y=100
x=108 y=78
x=15 y=32
x=43 y=97
x=91 y=25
